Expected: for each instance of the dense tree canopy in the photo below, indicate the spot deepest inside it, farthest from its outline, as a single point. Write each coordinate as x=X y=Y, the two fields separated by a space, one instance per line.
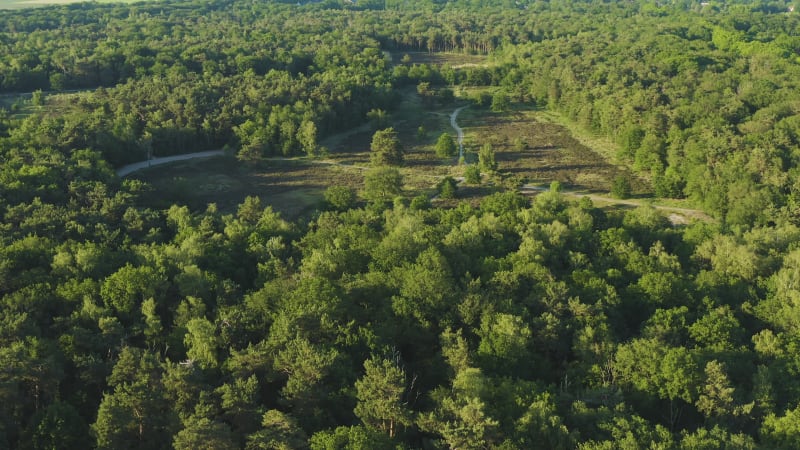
x=375 y=321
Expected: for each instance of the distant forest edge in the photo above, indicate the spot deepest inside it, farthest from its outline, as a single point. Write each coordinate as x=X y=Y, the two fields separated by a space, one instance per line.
x=702 y=98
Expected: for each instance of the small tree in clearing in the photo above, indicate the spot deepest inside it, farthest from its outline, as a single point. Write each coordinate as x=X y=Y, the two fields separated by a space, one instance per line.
x=472 y=174
x=386 y=148
x=486 y=159
x=447 y=188
x=621 y=187
x=445 y=146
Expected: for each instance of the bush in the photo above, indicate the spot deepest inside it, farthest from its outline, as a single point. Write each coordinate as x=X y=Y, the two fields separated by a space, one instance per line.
x=500 y=102
x=420 y=202
x=447 y=188
x=472 y=174
x=486 y=158
x=445 y=146
x=621 y=187
x=341 y=198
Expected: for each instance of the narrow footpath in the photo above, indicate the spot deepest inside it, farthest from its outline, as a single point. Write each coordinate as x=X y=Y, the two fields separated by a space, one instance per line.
x=130 y=168
x=459 y=132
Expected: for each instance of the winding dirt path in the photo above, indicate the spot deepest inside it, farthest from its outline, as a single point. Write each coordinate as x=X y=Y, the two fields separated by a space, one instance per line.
x=459 y=132
x=130 y=168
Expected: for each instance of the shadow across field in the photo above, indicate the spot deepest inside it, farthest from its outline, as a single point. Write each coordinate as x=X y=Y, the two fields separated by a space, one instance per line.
x=291 y=186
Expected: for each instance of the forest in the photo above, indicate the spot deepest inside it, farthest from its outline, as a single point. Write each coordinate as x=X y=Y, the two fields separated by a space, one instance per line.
x=457 y=315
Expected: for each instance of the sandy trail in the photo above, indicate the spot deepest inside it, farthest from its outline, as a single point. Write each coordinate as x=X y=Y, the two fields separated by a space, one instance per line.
x=130 y=168
x=459 y=131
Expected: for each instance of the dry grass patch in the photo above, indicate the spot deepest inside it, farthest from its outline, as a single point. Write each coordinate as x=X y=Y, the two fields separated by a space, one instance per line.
x=292 y=187
x=541 y=152
x=455 y=60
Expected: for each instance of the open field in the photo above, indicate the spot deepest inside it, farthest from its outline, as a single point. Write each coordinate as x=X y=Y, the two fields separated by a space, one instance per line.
x=455 y=60
x=422 y=169
x=21 y=105
x=531 y=148
x=292 y=186
x=17 y=106
x=541 y=152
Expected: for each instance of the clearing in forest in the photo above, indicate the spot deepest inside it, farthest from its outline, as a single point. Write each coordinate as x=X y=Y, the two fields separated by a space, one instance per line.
x=454 y=60
x=540 y=152
x=291 y=186
x=529 y=148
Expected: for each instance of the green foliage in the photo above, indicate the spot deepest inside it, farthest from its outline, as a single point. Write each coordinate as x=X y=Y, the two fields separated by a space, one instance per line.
x=341 y=198
x=305 y=365
x=58 y=426
x=666 y=372
x=460 y=417
x=201 y=342
x=420 y=202
x=37 y=98
x=504 y=343
x=621 y=187
x=382 y=184
x=445 y=146
x=781 y=432
x=503 y=203
x=500 y=102
x=716 y=397
x=486 y=159
x=631 y=140
x=279 y=431
x=519 y=324
x=447 y=188
x=350 y=438
x=135 y=414
x=386 y=148
x=307 y=137
x=472 y=174
x=205 y=434
x=380 y=397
